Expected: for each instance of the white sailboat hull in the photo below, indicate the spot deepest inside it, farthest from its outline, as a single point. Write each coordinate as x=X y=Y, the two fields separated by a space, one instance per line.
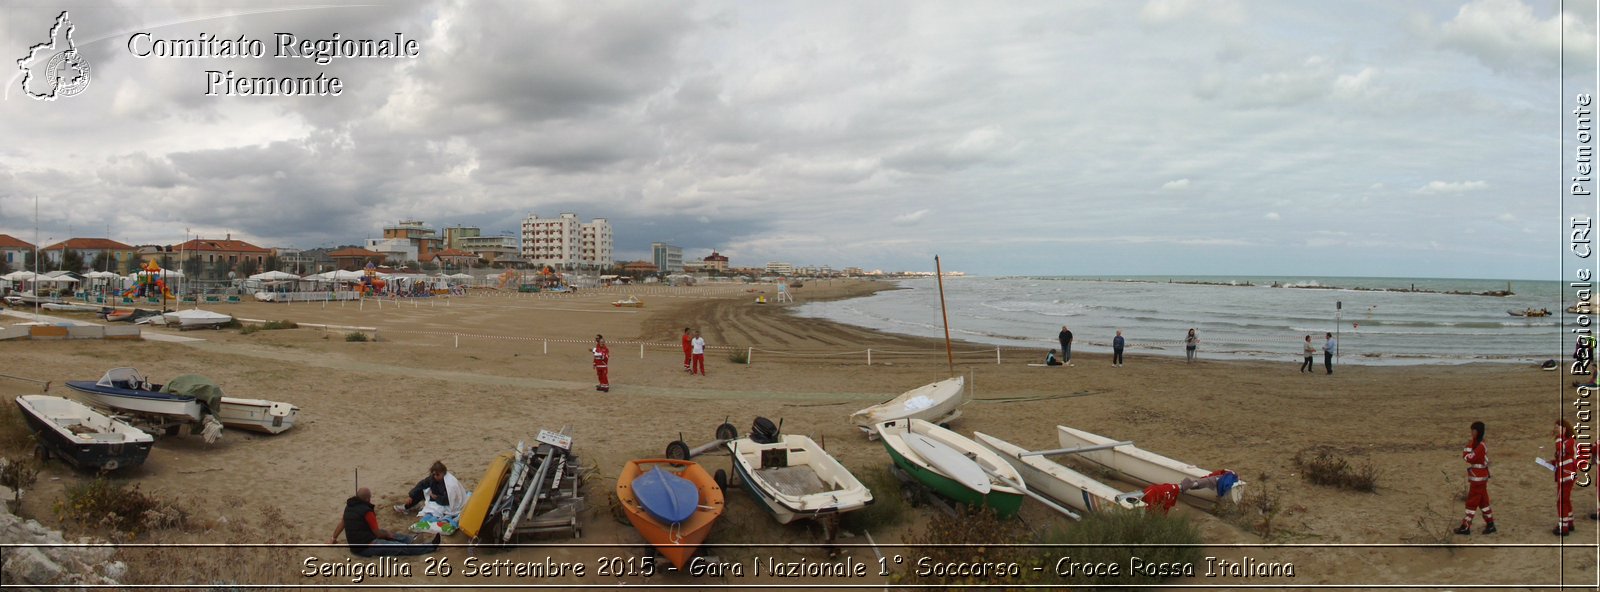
x=1055 y=481
x=1139 y=465
x=935 y=403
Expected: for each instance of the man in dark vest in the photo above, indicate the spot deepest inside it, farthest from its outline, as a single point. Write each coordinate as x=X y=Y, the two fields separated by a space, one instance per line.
x=360 y=528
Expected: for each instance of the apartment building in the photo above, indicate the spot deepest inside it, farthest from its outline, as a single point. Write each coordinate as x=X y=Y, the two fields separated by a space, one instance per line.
x=566 y=242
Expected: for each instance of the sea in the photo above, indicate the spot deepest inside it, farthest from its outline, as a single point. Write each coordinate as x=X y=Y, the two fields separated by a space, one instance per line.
x=1244 y=317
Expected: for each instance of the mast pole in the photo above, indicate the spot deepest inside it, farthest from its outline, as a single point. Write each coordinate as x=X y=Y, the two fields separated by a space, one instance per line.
x=950 y=359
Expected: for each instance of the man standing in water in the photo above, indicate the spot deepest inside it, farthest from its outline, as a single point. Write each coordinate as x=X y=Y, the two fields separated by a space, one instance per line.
x=1066 y=345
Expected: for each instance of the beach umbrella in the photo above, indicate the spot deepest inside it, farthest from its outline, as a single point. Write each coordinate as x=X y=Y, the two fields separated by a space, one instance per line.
x=18 y=276
x=274 y=276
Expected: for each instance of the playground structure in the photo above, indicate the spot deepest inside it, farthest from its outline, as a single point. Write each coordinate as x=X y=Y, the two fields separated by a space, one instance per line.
x=370 y=284
x=150 y=281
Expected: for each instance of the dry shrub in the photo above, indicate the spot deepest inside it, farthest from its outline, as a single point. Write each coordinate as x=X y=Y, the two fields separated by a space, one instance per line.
x=974 y=529
x=1322 y=466
x=1255 y=511
x=17 y=474
x=239 y=565
x=355 y=336
x=124 y=511
x=275 y=325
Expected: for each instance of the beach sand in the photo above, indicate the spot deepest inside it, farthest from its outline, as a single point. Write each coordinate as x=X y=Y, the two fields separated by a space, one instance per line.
x=463 y=379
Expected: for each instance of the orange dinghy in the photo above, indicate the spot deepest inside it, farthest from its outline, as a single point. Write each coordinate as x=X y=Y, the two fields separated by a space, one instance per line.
x=677 y=541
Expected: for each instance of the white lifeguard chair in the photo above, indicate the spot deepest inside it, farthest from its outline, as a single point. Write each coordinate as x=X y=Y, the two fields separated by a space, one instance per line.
x=783 y=294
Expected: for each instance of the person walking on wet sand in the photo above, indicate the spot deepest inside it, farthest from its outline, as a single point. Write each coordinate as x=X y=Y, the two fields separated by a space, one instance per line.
x=687 y=348
x=698 y=345
x=1477 y=458
x=1311 y=354
x=1066 y=345
x=602 y=363
x=1189 y=344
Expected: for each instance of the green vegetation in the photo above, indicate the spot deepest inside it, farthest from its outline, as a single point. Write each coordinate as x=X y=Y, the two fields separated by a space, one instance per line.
x=739 y=357
x=888 y=506
x=355 y=336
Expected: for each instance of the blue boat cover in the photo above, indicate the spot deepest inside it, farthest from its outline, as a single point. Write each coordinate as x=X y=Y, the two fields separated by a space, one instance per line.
x=668 y=497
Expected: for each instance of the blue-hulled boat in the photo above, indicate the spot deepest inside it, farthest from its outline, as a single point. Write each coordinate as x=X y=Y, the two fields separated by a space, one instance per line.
x=123 y=389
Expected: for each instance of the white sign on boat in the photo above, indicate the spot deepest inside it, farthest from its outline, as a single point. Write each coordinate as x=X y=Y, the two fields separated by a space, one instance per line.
x=555 y=439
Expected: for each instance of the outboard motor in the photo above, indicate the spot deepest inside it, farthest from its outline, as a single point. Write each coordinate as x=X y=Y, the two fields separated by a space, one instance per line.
x=763 y=431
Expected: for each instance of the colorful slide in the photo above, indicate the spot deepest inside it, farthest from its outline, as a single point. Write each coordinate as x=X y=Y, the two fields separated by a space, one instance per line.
x=149 y=283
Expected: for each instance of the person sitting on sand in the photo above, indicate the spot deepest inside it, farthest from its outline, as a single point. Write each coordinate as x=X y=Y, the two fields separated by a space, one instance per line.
x=430 y=487
x=360 y=528
x=1050 y=359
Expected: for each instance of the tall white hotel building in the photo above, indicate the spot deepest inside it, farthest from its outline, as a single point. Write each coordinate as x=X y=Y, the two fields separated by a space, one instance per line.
x=564 y=242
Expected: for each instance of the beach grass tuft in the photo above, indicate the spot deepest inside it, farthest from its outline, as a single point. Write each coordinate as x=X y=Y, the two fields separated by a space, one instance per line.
x=739 y=357
x=355 y=336
x=19 y=474
x=15 y=437
x=888 y=506
x=1119 y=526
x=1324 y=466
x=1260 y=504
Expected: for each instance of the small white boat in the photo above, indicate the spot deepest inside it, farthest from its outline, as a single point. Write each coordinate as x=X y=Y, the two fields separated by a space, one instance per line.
x=79 y=435
x=796 y=479
x=195 y=318
x=939 y=402
x=952 y=465
x=60 y=307
x=258 y=415
x=1141 y=466
x=1057 y=482
x=630 y=302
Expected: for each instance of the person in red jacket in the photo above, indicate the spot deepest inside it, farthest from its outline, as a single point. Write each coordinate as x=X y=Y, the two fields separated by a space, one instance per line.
x=1566 y=462
x=687 y=349
x=602 y=361
x=1477 y=458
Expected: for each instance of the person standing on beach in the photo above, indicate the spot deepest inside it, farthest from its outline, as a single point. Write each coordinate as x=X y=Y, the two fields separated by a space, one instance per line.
x=686 y=351
x=1189 y=344
x=1066 y=345
x=1116 y=349
x=602 y=363
x=1311 y=354
x=1329 y=347
x=1566 y=460
x=1477 y=458
x=699 y=346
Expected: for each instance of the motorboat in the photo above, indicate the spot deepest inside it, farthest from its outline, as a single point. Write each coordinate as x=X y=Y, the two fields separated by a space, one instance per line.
x=795 y=479
x=81 y=436
x=124 y=390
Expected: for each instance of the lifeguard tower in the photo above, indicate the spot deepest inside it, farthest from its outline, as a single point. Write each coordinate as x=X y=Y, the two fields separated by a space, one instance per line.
x=783 y=294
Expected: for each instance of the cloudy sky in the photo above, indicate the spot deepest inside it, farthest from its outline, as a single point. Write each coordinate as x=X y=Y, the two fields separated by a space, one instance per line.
x=1079 y=137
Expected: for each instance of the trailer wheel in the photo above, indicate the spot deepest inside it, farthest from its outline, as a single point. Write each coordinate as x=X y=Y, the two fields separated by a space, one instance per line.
x=41 y=452
x=678 y=450
x=726 y=431
x=721 y=477
x=172 y=430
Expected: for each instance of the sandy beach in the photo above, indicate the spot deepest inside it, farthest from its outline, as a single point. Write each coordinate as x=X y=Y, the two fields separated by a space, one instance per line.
x=462 y=379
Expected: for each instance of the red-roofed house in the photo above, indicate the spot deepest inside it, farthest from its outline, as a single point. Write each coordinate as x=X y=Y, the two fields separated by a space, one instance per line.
x=211 y=250
x=90 y=249
x=354 y=258
x=14 y=251
x=455 y=258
